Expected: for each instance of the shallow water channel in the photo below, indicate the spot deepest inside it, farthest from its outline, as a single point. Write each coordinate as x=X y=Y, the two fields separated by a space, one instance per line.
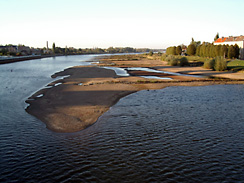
x=123 y=72
x=177 y=134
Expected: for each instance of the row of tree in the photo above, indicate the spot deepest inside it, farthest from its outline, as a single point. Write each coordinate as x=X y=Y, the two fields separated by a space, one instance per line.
x=74 y=51
x=210 y=50
x=173 y=50
x=206 y=50
x=70 y=51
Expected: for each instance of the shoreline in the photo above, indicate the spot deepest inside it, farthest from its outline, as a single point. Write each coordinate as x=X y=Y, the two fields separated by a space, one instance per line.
x=90 y=91
x=33 y=57
x=23 y=58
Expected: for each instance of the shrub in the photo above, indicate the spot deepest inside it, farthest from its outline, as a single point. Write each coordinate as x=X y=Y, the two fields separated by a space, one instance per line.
x=150 y=53
x=209 y=64
x=220 y=64
x=169 y=58
x=174 y=62
x=183 y=61
x=163 y=57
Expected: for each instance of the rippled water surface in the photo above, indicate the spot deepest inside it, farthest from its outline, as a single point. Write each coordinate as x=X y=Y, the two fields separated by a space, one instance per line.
x=177 y=134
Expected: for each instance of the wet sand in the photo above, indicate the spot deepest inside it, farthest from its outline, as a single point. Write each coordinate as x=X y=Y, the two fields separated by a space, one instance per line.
x=90 y=91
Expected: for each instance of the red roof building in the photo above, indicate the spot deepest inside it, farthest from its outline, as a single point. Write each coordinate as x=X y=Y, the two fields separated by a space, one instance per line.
x=232 y=40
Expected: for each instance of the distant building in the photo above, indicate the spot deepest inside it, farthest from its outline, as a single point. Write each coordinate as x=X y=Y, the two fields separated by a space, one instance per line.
x=35 y=51
x=232 y=40
x=24 y=50
x=12 y=49
x=9 y=48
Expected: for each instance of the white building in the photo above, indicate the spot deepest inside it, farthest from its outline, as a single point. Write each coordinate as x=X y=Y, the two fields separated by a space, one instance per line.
x=232 y=40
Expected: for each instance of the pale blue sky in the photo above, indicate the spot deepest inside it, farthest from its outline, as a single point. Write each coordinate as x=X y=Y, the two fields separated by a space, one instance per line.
x=104 y=23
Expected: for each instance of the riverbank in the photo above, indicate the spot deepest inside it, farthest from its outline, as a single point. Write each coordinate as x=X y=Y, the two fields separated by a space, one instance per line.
x=7 y=60
x=22 y=58
x=76 y=102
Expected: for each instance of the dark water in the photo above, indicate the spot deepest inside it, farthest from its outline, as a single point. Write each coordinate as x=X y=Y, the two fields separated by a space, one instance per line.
x=178 y=134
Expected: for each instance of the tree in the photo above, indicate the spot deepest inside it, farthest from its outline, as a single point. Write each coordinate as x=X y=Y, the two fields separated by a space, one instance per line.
x=237 y=51
x=196 y=43
x=66 y=50
x=218 y=50
x=192 y=41
x=171 y=50
x=231 y=52
x=150 y=53
x=191 y=49
x=178 y=50
x=224 y=51
x=220 y=64
x=198 y=51
x=54 y=48
x=111 y=50
x=203 y=50
x=216 y=37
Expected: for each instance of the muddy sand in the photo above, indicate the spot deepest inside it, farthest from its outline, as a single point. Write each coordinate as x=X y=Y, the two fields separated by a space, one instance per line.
x=90 y=91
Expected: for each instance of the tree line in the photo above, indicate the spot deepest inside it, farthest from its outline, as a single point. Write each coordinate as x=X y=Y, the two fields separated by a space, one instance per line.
x=205 y=50
x=71 y=51
x=4 y=50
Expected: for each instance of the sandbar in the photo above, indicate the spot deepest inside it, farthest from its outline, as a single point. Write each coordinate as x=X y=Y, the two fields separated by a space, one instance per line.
x=80 y=99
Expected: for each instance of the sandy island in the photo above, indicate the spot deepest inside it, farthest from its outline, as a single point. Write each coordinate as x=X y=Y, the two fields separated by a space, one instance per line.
x=90 y=91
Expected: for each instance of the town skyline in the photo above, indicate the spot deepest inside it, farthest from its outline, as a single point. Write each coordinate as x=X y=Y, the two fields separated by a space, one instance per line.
x=138 y=24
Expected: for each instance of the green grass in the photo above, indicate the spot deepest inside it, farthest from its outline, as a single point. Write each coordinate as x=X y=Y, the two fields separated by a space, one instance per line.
x=196 y=58
x=235 y=65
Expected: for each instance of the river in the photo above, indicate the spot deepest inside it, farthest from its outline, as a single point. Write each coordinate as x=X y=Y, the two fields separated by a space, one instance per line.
x=177 y=134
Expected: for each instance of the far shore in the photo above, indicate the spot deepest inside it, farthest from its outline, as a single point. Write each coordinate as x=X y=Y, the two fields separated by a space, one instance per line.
x=8 y=60
x=22 y=58
x=90 y=91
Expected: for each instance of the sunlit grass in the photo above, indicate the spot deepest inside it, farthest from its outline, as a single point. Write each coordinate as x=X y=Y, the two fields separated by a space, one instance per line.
x=236 y=65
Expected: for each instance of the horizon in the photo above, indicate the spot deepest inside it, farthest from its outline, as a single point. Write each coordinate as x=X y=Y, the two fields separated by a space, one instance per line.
x=103 y=24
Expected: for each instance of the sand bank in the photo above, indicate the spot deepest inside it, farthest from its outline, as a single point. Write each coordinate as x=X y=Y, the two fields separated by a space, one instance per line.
x=90 y=91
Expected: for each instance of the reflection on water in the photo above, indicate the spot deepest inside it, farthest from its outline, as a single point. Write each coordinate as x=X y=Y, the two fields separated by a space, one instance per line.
x=39 y=96
x=178 y=134
x=165 y=72
x=123 y=72
x=155 y=77
x=118 y=71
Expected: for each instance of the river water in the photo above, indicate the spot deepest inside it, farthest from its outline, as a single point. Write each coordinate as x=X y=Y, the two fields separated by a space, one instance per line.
x=177 y=134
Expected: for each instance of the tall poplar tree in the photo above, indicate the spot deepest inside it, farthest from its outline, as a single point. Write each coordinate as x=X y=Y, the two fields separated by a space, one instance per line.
x=54 y=48
x=191 y=49
x=216 y=37
x=231 y=52
x=178 y=50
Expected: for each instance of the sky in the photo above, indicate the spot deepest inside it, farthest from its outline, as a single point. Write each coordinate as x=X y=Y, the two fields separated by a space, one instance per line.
x=119 y=23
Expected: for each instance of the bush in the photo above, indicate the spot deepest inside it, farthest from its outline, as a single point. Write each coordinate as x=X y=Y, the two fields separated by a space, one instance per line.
x=150 y=53
x=220 y=64
x=209 y=64
x=184 y=61
x=169 y=58
x=163 y=57
x=174 y=62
